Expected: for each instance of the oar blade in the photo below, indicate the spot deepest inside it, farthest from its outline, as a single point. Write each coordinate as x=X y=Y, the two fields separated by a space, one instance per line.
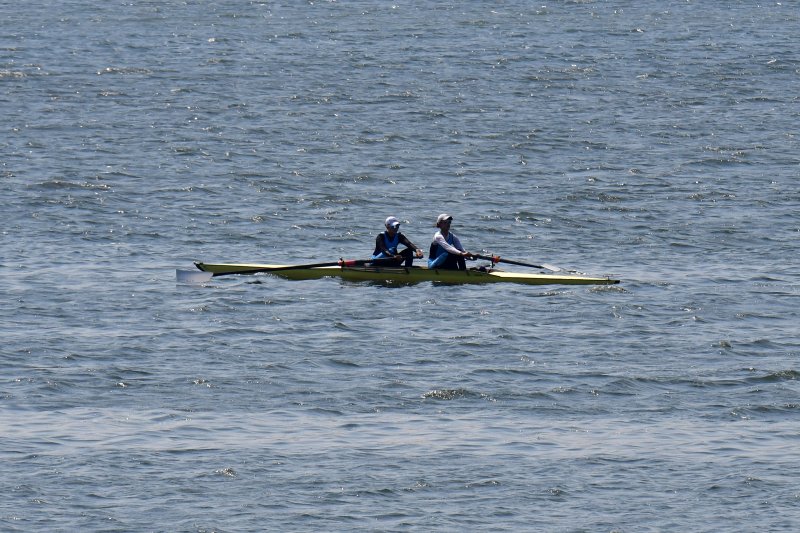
x=192 y=277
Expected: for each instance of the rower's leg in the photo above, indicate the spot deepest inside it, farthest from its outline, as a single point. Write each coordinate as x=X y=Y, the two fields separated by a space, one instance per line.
x=408 y=255
x=454 y=262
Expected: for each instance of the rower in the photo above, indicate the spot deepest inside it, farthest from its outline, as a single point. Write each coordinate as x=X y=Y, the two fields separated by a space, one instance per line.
x=446 y=250
x=386 y=244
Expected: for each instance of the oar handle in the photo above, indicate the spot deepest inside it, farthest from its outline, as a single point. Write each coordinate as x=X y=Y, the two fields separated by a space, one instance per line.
x=492 y=258
x=498 y=259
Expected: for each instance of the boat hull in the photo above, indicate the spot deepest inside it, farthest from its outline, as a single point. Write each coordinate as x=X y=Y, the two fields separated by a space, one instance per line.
x=417 y=274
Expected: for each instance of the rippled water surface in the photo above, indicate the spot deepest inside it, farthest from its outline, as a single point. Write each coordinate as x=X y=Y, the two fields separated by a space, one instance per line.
x=652 y=142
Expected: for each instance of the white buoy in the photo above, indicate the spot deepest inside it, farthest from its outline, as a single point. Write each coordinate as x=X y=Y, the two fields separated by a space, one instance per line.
x=192 y=276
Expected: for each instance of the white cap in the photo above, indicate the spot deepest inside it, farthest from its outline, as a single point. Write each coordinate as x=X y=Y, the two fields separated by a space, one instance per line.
x=443 y=217
x=392 y=222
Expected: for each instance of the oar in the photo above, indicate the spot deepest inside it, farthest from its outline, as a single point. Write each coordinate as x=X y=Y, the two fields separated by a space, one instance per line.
x=340 y=262
x=498 y=259
x=192 y=276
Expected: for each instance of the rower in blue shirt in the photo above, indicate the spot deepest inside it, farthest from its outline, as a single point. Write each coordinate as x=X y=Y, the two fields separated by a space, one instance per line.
x=386 y=244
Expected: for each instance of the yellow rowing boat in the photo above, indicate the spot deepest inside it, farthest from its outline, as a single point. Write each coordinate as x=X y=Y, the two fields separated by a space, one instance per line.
x=416 y=274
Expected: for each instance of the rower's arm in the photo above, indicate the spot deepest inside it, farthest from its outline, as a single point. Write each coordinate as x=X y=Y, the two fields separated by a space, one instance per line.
x=404 y=240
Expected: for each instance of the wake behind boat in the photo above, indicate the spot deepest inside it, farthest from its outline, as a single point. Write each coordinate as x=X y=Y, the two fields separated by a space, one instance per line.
x=368 y=271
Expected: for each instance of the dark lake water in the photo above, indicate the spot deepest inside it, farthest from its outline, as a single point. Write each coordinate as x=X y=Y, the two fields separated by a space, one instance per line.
x=653 y=142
